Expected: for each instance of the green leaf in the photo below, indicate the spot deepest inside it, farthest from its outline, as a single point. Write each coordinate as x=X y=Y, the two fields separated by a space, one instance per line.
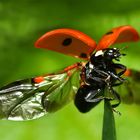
x=109 y=132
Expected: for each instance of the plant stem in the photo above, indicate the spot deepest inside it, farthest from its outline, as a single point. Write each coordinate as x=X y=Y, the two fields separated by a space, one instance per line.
x=109 y=131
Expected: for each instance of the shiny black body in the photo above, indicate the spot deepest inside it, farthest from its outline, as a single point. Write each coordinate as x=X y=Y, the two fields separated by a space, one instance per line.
x=99 y=74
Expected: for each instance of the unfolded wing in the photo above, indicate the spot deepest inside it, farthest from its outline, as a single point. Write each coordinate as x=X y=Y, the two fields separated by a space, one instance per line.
x=27 y=100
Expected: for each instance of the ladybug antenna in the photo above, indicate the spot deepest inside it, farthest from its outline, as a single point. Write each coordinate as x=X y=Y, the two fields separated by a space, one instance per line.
x=116 y=111
x=123 y=49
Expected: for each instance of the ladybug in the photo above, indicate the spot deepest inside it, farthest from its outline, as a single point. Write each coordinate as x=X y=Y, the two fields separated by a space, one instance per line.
x=99 y=77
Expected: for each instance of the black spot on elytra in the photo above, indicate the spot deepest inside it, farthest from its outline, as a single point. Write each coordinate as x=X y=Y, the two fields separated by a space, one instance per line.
x=83 y=55
x=108 y=33
x=67 y=41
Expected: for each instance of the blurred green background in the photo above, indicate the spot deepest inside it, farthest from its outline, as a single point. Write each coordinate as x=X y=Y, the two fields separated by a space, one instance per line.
x=22 y=22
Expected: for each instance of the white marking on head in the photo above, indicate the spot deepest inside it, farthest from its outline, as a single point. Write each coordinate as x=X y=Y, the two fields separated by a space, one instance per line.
x=91 y=66
x=110 y=50
x=99 y=53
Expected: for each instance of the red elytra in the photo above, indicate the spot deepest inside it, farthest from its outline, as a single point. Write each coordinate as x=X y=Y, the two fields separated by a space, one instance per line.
x=67 y=41
x=77 y=44
x=118 y=35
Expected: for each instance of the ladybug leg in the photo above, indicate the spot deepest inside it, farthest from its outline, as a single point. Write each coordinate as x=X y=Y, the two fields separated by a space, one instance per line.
x=117 y=84
x=97 y=79
x=116 y=104
x=121 y=67
x=102 y=73
x=95 y=96
x=119 y=79
x=76 y=65
x=108 y=75
x=116 y=111
x=116 y=96
x=104 y=76
x=68 y=69
x=114 y=93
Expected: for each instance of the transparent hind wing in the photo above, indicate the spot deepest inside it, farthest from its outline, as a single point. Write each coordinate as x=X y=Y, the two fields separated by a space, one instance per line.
x=62 y=94
x=26 y=100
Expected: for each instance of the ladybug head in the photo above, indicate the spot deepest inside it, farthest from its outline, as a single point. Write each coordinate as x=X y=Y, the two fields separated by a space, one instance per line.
x=106 y=55
x=112 y=53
